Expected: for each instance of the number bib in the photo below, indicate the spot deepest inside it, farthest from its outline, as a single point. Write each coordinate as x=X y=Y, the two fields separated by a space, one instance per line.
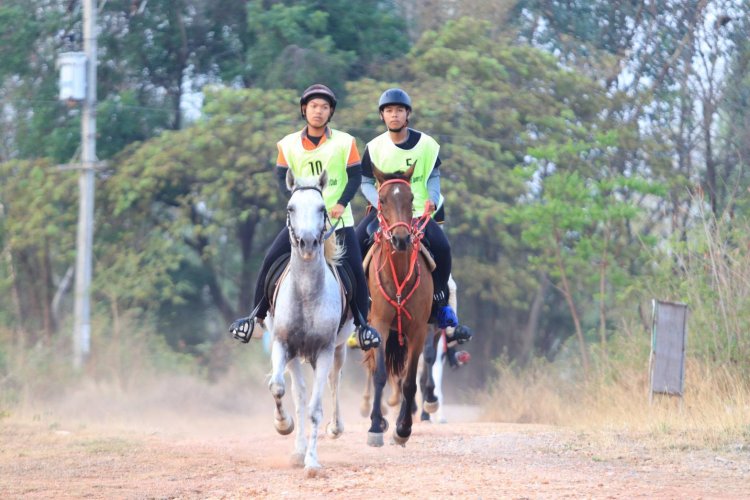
x=331 y=156
x=389 y=158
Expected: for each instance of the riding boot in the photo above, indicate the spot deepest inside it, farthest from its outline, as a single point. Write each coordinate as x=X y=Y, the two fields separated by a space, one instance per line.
x=445 y=315
x=367 y=336
x=461 y=334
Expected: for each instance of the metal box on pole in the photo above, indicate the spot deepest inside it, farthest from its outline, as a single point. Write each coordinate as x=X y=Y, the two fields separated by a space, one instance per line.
x=72 y=67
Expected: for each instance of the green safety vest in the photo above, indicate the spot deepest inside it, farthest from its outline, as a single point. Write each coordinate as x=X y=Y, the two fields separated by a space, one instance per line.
x=330 y=156
x=389 y=158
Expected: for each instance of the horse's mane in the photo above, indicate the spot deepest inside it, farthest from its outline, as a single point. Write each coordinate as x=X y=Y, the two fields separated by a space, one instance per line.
x=332 y=251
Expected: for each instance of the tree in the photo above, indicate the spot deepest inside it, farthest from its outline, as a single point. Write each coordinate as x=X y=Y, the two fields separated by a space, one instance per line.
x=37 y=238
x=212 y=206
x=296 y=43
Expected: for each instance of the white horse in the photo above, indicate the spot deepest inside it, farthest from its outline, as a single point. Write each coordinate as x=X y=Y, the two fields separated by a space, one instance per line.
x=304 y=321
x=438 y=359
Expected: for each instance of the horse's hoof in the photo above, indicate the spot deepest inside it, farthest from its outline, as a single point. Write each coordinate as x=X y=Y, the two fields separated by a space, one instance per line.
x=334 y=431
x=401 y=441
x=284 y=427
x=297 y=459
x=375 y=439
x=312 y=470
x=443 y=420
x=424 y=417
x=431 y=407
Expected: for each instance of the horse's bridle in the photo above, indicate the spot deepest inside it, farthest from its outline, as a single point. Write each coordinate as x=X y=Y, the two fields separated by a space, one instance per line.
x=323 y=235
x=416 y=229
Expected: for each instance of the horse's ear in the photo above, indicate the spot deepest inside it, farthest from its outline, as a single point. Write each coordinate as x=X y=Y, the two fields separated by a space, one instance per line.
x=410 y=172
x=379 y=176
x=289 y=180
x=323 y=180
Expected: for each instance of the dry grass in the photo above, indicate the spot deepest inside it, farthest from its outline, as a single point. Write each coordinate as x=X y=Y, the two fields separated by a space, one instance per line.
x=714 y=412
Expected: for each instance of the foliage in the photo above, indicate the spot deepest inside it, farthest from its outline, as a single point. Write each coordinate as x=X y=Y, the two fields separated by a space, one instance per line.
x=199 y=205
x=37 y=235
x=575 y=138
x=295 y=43
x=709 y=272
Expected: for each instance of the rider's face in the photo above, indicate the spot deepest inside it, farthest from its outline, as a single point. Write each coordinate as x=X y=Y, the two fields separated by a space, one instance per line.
x=317 y=112
x=395 y=116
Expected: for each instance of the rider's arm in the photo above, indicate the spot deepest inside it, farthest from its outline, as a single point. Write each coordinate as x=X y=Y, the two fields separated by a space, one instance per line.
x=354 y=178
x=368 y=188
x=282 y=167
x=433 y=184
x=353 y=175
x=281 y=179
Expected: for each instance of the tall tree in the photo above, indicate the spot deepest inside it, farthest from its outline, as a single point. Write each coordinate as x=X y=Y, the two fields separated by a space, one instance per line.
x=294 y=43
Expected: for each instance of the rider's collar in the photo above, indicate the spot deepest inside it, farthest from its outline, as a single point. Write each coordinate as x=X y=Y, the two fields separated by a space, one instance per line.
x=327 y=132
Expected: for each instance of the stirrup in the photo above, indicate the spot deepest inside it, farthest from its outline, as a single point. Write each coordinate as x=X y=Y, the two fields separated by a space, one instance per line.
x=368 y=337
x=461 y=334
x=242 y=329
x=446 y=317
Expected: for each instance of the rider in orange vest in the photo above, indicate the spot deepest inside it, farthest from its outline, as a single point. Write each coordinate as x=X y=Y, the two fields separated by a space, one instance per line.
x=308 y=152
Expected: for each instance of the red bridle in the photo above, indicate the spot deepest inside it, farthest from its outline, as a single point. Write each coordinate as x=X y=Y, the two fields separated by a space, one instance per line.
x=416 y=231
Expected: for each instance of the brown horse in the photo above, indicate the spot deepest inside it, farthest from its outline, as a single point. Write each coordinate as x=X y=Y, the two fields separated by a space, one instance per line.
x=401 y=291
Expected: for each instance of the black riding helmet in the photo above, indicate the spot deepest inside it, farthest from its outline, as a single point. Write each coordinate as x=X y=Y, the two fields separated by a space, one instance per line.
x=317 y=90
x=394 y=96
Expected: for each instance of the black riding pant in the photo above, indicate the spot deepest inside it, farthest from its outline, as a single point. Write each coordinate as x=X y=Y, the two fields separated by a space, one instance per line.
x=436 y=240
x=346 y=237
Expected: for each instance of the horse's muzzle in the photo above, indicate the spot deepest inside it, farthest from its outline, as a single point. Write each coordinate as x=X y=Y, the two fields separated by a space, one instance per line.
x=308 y=247
x=401 y=243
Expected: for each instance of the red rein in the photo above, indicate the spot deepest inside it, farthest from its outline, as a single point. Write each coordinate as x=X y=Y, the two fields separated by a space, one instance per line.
x=416 y=230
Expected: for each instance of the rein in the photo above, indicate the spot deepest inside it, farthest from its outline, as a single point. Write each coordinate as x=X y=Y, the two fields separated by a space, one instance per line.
x=416 y=230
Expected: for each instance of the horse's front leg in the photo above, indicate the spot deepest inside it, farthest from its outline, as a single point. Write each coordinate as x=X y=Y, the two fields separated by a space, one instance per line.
x=283 y=422
x=430 y=402
x=402 y=432
x=299 y=392
x=322 y=369
x=378 y=424
x=336 y=425
x=437 y=377
x=365 y=407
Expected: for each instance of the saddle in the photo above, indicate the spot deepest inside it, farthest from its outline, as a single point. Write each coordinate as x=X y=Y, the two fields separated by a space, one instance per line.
x=280 y=267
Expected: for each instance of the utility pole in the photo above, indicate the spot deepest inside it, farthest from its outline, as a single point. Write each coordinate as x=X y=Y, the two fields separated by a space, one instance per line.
x=82 y=328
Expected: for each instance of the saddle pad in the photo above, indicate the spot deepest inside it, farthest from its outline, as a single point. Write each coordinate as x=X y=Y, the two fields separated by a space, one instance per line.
x=280 y=266
x=274 y=273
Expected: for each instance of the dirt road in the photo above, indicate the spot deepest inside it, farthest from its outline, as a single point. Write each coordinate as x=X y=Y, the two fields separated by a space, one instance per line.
x=175 y=455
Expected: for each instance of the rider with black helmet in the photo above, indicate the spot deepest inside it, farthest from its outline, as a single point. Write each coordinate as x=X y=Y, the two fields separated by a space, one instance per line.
x=398 y=149
x=308 y=152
